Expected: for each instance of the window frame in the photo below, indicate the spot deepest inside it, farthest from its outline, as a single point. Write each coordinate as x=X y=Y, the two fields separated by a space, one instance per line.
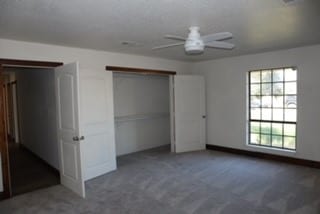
x=283 y=121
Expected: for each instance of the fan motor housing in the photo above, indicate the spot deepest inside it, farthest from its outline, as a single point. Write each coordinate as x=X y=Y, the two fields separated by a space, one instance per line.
x=194 y=47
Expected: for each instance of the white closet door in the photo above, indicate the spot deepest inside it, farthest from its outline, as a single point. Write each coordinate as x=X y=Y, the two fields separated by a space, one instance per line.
x=68 y=118
x=189 y=113
x=98 y=122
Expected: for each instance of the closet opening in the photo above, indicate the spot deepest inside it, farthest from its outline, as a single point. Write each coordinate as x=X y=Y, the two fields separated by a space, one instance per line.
x=142 y=102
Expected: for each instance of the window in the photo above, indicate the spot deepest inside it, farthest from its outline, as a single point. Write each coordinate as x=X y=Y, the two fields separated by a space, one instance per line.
x=273 y=108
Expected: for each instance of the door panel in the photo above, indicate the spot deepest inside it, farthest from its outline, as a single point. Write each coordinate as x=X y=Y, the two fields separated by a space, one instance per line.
x=189 y=101
x=68 y=117
x=67 y=98
x=70 y=169
x=98 y=123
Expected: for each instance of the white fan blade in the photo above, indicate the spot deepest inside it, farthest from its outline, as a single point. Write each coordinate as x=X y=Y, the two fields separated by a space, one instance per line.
x=179 y=38
x=216 y=37
x=220 y=45
x=168 y=46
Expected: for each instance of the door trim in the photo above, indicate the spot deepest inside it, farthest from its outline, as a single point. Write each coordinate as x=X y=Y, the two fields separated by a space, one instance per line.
x=4 y=148
x=28 y=63
x=144 y=71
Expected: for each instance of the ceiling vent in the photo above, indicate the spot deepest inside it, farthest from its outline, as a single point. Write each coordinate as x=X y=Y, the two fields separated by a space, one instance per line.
x=131 y=43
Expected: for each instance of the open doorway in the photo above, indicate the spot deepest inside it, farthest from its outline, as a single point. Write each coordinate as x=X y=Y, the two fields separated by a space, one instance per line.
x=30 y=121
x=142 y=102
x=19 y=129
x=142 y=112
x=154 y=108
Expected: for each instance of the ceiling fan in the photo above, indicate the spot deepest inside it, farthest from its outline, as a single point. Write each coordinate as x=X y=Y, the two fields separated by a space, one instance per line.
x=195 y=44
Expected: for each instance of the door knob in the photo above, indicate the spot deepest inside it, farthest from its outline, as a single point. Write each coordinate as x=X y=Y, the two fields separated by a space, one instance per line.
x=76 y=138
x=204 y=116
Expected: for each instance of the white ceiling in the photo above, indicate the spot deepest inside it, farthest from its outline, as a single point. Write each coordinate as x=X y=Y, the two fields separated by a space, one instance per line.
x=257 y=25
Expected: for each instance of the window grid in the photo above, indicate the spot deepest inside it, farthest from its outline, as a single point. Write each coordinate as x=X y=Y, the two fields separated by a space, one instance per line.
x=284 y=136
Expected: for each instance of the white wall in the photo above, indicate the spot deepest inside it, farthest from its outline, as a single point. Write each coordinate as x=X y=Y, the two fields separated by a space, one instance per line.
x=226 y=98
x=141 y=104
x=92 y=63
x=15 y=113
x=89 y=59
x=37 y=113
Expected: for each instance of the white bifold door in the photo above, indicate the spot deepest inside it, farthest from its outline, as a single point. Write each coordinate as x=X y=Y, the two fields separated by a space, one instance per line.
x=189 y=115
x=68 y=119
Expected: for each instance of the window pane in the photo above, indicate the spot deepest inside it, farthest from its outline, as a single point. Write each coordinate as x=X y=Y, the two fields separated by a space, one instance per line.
x=255 y=127
x=266 y=140
x=266 y=128
x=277 y=128
x=266 y=76
x=277 y=75
x=277 y=88
x=290 y=74
x=266 y=89
x=277 y=101
x=255 y=89
x=289 y=143
x=255 y=101
x=255 y=114
x=276 y=141
x=290 y=129
x=255 y=77
x=290 y=88
x=291 y=101
x=277 y=114
x=273 y=103
x=290 y=115
x=266 y=114
x=255 y=139
x=266 y=101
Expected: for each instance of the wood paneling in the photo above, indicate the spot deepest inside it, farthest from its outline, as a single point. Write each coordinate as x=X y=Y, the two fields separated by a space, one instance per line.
x=139 y=70
x=297 y=161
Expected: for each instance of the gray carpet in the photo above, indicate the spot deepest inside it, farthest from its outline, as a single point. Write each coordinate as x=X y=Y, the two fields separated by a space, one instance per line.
x=156 y=181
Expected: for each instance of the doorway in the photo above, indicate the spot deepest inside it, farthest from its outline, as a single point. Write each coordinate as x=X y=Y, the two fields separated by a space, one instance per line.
x=143 y=101
x=28 y=145
x=142 y=112
x=156 y=107
x=31 y=128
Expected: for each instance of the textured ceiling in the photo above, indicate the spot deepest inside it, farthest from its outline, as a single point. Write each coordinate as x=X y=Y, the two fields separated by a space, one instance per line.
x=257 y=25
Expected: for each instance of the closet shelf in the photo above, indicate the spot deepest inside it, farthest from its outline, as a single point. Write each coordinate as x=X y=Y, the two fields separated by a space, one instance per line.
x=141 y=117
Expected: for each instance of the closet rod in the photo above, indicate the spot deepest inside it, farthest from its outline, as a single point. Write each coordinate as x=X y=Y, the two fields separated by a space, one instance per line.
x=138 y=76
x=140 y=117
x=139 y=70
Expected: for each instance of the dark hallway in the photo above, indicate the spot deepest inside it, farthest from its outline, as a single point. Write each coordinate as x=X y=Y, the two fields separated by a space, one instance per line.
x=28 y=172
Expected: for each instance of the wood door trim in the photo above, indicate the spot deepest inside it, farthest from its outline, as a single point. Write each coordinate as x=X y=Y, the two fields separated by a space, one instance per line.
x=4 y=150
x=28 y=63
x=139 y=70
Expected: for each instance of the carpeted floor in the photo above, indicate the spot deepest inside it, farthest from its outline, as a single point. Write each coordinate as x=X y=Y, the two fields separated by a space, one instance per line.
x=156 y=181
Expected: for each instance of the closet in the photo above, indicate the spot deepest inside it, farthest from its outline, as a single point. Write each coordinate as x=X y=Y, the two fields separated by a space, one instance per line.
x=141 y=110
